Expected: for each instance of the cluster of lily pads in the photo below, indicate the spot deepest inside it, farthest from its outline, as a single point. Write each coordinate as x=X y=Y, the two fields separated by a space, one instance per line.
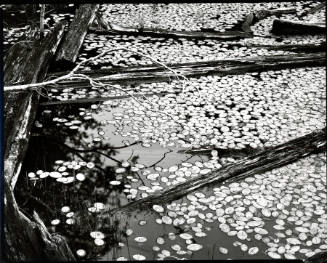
x=63 y=172
x=164 y=50
x=192 y=17
x=279 y=213
x=230 y=112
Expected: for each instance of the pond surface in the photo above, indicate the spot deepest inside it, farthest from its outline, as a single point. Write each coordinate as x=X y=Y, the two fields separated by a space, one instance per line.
x=86 y=159
x=252 y=218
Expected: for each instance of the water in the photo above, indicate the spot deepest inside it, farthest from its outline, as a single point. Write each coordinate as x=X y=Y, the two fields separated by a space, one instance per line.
x=111 y=153
x=97 y=188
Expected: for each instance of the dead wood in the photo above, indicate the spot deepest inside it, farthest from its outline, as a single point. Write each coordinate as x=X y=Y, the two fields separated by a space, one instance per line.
x=77 y=30
x=261 y=162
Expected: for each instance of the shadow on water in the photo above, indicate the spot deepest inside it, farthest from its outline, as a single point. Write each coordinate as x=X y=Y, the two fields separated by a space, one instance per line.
x=70 y=140
x=47 y=196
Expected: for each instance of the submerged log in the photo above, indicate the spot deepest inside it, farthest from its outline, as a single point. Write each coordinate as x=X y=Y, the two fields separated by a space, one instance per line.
x=115 y=29
x=223 y=153
x=320 y=257
x=314 y=9
x=285 y=27
x=305 y=48
x=155 y=73
x=77 y=30
x=261 y=162
x=26 y=239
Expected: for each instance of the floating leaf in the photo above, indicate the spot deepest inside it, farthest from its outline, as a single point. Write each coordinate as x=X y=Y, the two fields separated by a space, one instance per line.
x=139 y=257
x=81 y=253
x=140 y=239
x=194 y=247
x=158 y=208
x=97 y=235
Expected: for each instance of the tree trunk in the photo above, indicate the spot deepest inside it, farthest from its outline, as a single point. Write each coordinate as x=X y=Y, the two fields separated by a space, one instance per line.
x=261 y=162
x=285 y=27
x=26 y=239
x=24 y=64
x=29 y=240
x=42 y=20
x=77 y=30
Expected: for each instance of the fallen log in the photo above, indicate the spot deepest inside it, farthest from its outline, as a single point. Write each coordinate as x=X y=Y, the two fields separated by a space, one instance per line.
x=77 y=30
x=285 y=27
x=261 y=162
x=256 y=16
x=24 y=64
x=305 y=48
x=115 y=29
x=29 y=240
x=155 y=73
x=26 y=239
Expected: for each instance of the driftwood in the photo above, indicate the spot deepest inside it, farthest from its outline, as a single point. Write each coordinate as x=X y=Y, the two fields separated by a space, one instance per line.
x=77 y=30
x=261 y=162
x=155 y=73
x=285 y=27
x=26 y=239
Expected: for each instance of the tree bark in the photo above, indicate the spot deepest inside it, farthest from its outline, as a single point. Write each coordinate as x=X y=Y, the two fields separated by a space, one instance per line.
x=29 y=240
x=285 y=27
x=24 y=64
x=77 y=30
x=155 y=73
x=26 y=239
x=261 y=162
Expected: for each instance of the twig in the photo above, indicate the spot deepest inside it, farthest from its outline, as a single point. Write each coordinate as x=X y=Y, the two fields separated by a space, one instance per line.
x=163 y=157
x=73 y=75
